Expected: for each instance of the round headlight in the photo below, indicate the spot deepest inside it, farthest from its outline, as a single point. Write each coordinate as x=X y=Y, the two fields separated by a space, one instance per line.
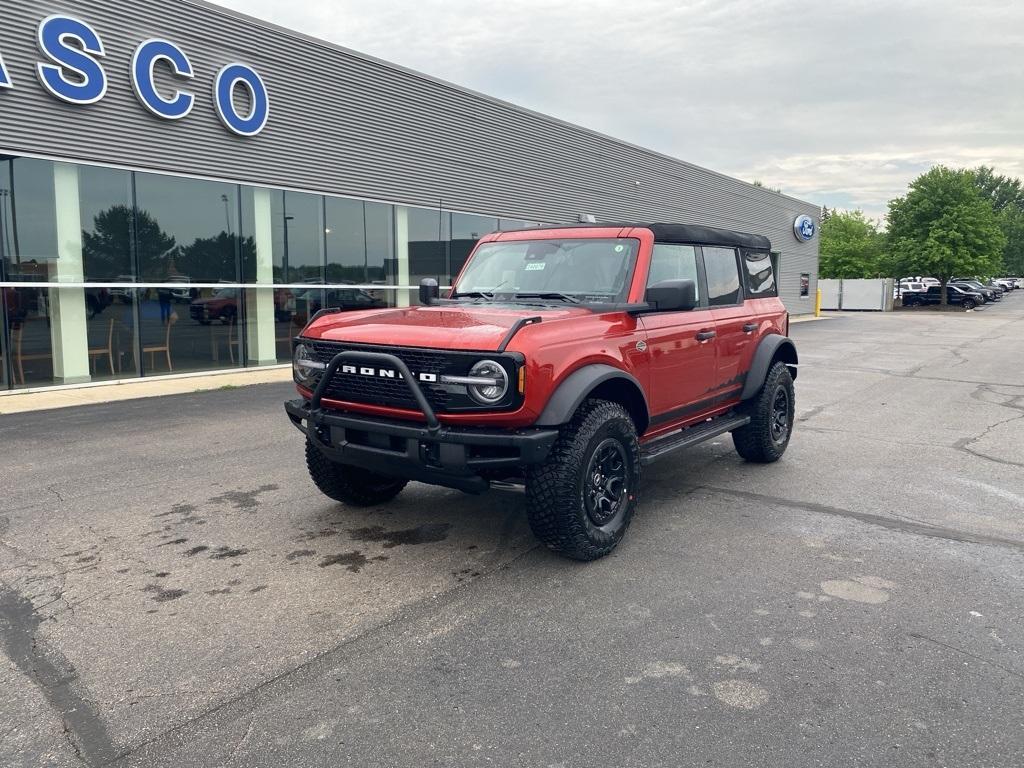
x=497 y=385
x=305 y=366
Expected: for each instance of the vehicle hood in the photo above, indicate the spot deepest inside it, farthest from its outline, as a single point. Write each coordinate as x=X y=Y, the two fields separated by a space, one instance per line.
x=440 y=327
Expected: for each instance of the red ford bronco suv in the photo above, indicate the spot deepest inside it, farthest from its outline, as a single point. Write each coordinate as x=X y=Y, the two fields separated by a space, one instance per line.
x=563 y=360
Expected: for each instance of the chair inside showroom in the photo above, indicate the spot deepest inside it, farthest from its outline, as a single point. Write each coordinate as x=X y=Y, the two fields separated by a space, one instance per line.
x=165 y=346
x=20 y=358
x=234 y=340
x=102 y=348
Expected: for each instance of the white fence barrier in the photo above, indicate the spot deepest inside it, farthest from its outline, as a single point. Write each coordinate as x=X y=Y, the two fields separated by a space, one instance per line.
x=872 y=295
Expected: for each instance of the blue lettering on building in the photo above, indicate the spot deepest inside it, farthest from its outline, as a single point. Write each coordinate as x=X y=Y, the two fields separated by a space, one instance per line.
x=144 y=62
x=72 y=72
x=74 y=76
x=230 y=77
x=5 y=79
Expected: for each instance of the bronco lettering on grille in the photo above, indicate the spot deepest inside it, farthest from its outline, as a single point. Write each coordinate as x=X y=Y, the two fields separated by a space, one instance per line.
x=386 y=373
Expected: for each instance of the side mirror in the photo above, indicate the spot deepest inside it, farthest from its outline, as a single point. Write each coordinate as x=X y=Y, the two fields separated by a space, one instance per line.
x=428 y=291
x=672 y=296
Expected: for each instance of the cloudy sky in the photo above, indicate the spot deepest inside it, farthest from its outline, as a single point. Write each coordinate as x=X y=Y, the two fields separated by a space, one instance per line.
x=839 y=102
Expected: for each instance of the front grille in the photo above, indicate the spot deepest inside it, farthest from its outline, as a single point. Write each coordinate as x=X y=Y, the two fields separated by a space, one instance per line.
x=394 y=393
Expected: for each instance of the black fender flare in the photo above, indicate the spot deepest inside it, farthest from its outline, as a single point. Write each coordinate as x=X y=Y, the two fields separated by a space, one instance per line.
x=577 y=386
x=771 y=346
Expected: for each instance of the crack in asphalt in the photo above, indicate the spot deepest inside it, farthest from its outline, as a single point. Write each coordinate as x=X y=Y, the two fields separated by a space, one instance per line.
x=55 y=677
x=904 y=525
x=982 y=659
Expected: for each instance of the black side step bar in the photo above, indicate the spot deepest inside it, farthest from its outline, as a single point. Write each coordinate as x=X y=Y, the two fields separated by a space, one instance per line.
x=691 y=436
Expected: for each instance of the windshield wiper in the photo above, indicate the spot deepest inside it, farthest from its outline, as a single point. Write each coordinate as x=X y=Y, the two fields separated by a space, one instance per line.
x=548 y=295
x=475 y=295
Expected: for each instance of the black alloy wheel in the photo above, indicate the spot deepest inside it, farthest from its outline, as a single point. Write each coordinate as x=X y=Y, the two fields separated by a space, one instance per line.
x=606 y=482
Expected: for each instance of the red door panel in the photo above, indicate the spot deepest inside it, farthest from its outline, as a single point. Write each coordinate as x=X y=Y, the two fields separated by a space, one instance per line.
x=682 y=366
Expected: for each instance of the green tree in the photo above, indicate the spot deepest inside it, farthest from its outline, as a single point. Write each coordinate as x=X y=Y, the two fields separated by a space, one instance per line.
x=107 y=249
x=1011 y=221
x=1002 y=191
x=851 y=246
x=944 y=227
x=213 y=258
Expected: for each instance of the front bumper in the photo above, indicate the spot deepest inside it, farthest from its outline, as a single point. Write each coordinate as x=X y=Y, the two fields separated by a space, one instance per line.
x=448 y=456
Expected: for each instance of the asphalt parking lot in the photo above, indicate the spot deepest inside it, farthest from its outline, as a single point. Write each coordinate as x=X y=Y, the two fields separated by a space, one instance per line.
x=174 y=592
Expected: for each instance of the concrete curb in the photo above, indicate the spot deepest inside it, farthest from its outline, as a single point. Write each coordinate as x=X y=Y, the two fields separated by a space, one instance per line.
x=132 y=389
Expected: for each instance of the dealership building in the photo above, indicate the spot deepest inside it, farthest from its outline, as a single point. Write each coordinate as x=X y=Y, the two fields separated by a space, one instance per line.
x=181 y=186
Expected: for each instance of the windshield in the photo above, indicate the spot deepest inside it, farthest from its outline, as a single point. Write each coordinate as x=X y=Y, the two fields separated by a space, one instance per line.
x=585 y=270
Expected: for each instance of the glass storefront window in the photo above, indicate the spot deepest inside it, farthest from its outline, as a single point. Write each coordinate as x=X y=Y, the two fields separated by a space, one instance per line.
x=29 y=341
x=73 y=224
x=346 y=241
x=297 y=223
x=381 y=261
x=428 y=245
x=186 y=230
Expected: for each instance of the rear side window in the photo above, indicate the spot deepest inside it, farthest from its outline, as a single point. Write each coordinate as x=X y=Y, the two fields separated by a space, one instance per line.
x=723 y=276
x=758 y=272
x=673 y=262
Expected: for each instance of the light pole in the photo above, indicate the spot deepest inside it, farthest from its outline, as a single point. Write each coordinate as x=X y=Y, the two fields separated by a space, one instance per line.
x=227 y=213
x=284 y=256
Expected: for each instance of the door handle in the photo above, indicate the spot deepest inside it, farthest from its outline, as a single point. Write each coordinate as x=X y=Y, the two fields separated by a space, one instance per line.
x=750 y=327
x=705 y=335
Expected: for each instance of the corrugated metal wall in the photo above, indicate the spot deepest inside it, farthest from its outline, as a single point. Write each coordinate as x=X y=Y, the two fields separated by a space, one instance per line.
x=347 y=124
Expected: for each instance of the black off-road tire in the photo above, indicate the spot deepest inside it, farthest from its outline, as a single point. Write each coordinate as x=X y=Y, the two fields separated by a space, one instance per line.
x=565 y=507
x=347 y=484
x=765 y=438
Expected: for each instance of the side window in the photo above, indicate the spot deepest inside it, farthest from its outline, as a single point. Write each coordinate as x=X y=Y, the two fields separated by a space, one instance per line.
x=723 y=276
x=673 y=262
x=759 y=274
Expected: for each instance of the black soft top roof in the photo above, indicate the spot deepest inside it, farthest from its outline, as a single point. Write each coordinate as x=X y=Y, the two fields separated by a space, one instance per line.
x=685 y=233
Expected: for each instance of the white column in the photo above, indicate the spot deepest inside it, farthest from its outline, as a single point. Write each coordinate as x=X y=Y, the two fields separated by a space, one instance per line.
x=259 y=303
x=68 y=331
x=402 y=254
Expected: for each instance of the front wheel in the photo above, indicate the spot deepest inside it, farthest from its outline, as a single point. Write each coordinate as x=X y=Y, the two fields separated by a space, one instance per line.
x=348 y=484
x=771 y=412
x=581 y=499
x=968 y=304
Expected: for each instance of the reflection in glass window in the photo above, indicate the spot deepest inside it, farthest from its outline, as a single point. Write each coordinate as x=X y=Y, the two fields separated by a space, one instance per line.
x=723 y=276
x=759 y=274
x=29 y=218
x=428 y=245
x=187 y=229
x=346 y=241
x=673 y=262
x=29 y=341
x=297 y=230
x=466 y=230
x=381 y=265
x=105 y=203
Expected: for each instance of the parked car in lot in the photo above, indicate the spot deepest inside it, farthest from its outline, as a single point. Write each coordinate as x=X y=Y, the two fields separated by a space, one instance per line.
x=563 y=360
x=223 y=306
x=954 y=295
x=990 y=294
x=310 y=301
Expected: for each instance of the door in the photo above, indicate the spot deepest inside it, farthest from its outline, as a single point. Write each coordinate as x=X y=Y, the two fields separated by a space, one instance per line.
x=680 y=345
x=735 y=324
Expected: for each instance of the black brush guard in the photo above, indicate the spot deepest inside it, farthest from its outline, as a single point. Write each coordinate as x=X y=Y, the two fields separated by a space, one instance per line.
x=437 y=454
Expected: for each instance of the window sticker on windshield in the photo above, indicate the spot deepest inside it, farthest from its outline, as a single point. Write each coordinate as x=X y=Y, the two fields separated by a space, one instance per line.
x=619 y=248
x=535 y=266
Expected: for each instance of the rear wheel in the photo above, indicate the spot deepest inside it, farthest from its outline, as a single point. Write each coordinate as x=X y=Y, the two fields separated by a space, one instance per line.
x=771 y=412
x=581 y=500
x=348 y=484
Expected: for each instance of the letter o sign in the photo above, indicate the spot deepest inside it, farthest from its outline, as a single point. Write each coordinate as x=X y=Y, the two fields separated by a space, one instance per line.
x=228 y=79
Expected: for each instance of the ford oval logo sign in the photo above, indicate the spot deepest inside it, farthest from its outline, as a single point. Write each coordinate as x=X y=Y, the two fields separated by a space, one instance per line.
x=804 y=228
